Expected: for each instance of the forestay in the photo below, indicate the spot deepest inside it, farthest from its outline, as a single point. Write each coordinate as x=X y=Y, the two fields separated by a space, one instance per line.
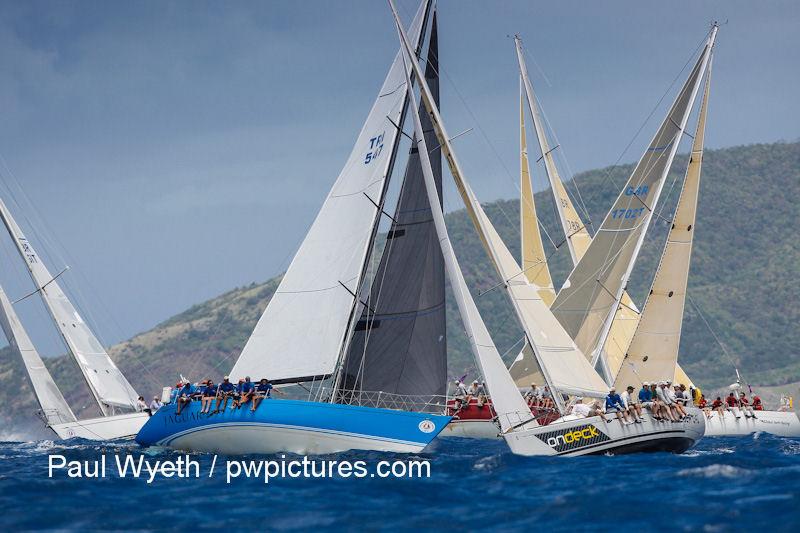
x=653 y=352
x=106 y=382
x=564 y=366
x=509 y=405
x=586 y=303
x=399 y=345
x=54 y=407
x=301 y=332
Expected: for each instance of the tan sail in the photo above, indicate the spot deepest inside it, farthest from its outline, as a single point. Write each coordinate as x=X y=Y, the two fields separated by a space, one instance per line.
x=534 y=260
x=653 y=352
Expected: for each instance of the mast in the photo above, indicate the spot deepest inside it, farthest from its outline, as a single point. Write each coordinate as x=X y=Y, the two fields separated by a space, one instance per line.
x=653 y=351
x=511 y=408
x=565 y=368
x=534 y=260
x=429 y=6
x=673 y=149
x=575 y=232
x=108 y=386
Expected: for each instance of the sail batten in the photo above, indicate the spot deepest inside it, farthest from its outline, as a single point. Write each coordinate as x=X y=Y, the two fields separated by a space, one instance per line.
x=563 y=368
x=587 y=303
x=399 y=345
x=305 y=326
x=107 y=384
x=653 y=351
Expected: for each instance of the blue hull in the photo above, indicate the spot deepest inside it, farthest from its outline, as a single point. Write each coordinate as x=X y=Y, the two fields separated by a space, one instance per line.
x=291 y=426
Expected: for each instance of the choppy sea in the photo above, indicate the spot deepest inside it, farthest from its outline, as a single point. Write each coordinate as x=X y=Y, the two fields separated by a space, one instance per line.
x=720 y=485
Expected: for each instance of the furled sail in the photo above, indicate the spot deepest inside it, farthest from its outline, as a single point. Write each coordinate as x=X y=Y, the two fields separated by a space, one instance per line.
x=509 y=405
x=301 y=332
x=563 y=365
x=653 y=352
x=53 y=405
x=534 y=260
x=399 y=344
x=106 y=382
x=587 y=302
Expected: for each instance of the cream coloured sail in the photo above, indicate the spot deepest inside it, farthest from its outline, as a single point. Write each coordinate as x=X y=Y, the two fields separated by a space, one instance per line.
x=564 y=366
x=53 y=405
x=534 y=260
x=106 y=382
x=577 y=236
x=301 y=332
x=511 y=408
x=627 y=315
x=653 y=352
x=587 y=302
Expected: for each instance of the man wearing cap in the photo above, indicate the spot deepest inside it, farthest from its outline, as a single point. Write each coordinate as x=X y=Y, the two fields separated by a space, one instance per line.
x=155 y=405
x=476 y=390
x=668 y=407
x=460 y=395
x=225 y=390
x=614 y=405
x=533 y=395
x=580 y=408
x=209 y=393
x=184 y=396
x=632 y=404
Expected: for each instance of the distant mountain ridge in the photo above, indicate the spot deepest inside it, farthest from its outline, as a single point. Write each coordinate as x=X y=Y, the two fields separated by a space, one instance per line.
x=744 y=270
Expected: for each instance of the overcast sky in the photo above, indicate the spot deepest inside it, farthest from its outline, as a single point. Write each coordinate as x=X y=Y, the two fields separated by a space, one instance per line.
x=174 y=150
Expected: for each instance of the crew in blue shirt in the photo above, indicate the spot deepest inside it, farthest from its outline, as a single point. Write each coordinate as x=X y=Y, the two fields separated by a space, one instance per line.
x=645 y=396
x=184 y=396
x=246 y=389
x=263 y=390
x=209 y=393
x=225 y=390
x=614 y=405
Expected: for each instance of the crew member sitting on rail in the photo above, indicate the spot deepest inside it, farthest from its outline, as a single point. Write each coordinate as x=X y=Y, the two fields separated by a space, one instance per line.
x=580 y=408
x=209 y=394
x=702 y=403
x=667 y=406
x=225 y=390
x=547 y=398
x=746 y=409
x=184 y=396
x=677 y=400
x=477 y=390
x=657 y=405
x=733 y=405
x=757 y=405
x=614 y=405
x=263 y=390
x=533 y=395
x=719 y=406
x=246 y=390
x=645 y=397
x=597 y=410
x=632 y=404
x=460 y=395
x=155 y=405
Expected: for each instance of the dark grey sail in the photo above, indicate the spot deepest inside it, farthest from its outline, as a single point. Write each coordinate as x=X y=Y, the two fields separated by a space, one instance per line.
x=399 y=344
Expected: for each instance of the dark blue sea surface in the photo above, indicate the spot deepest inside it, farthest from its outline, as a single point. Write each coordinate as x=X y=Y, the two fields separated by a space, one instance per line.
x=722 y=484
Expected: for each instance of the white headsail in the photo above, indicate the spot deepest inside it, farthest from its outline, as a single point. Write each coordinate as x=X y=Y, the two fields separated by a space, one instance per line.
x=106 y=382
x=653 y=352
x=301 y=332
x=589 y=299
x=54 y=407
x=511 y=408
x=564 y=366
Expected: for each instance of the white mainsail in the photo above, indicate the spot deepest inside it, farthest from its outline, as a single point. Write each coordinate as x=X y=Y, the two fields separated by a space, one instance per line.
x=106 y=382
x=301 y=332
x=565 y=368
x=589 y=299
x=53 y=405
x=653 y=352
x=511 y=408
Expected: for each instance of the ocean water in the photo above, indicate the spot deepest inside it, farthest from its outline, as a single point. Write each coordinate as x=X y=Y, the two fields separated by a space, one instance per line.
x=720 y=485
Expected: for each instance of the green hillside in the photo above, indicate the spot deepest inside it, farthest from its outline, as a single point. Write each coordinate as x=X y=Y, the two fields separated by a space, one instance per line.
x=743 y=277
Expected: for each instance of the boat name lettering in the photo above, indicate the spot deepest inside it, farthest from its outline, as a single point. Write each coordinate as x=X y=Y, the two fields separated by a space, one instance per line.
x=573 y=438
